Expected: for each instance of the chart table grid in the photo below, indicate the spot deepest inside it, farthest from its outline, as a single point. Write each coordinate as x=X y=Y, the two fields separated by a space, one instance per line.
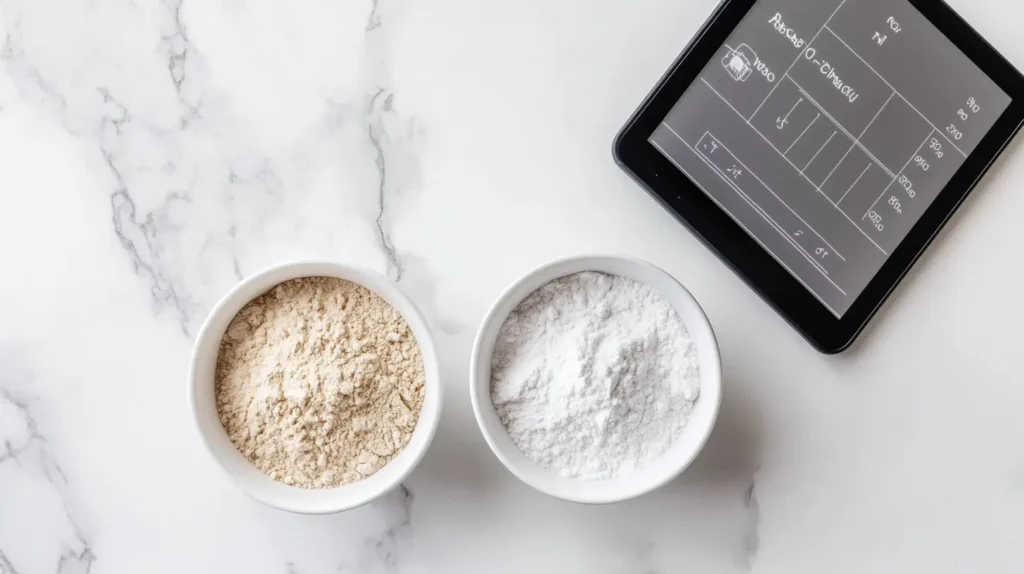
x=816 y=187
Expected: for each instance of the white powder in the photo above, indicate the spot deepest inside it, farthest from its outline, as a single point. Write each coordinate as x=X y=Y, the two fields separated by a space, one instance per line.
x=594 y=376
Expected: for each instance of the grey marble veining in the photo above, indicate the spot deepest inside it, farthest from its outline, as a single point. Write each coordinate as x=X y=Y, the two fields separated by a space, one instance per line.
x=26 y=454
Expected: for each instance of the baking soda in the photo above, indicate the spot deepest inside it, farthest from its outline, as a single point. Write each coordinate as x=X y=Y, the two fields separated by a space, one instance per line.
x=594 y=376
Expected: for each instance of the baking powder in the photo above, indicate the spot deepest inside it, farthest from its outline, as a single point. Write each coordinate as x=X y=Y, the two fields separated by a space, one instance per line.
x=594 y=376
x=319 y=382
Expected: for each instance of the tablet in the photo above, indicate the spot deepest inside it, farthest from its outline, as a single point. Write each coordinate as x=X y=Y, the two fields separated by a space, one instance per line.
x=817 y=146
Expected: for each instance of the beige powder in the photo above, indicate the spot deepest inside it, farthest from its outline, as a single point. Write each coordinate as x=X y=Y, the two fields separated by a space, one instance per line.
x=319 y=382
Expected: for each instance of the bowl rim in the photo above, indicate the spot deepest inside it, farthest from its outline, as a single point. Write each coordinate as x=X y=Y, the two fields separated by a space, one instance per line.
x=553 y=270
x=429 y=418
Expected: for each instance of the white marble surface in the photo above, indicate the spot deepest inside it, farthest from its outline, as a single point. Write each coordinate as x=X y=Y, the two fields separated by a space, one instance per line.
x=152 y=152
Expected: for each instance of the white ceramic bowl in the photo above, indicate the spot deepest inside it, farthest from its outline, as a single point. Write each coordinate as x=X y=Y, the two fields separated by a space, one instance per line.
x=655 y=475
x=249 y=478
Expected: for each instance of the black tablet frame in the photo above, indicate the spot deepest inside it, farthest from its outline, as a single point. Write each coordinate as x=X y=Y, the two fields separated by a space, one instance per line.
x=681 y=196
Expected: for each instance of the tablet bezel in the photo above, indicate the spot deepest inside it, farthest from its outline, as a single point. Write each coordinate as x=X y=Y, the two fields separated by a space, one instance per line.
x=780 y=289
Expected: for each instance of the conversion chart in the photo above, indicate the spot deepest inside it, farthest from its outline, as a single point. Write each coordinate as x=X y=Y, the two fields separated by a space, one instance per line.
x=826 y=128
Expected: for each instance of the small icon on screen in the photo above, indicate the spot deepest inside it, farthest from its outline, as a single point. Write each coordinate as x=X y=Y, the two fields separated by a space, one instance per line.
x=739 y=62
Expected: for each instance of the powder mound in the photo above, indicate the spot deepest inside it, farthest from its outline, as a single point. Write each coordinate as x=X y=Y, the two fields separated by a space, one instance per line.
x=594 y=376
x=319 y=382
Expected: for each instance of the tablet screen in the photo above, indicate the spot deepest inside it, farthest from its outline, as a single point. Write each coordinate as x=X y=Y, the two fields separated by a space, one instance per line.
x=825 y=128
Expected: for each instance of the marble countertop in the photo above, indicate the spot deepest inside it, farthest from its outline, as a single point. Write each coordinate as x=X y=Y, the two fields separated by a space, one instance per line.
x=154 y=152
